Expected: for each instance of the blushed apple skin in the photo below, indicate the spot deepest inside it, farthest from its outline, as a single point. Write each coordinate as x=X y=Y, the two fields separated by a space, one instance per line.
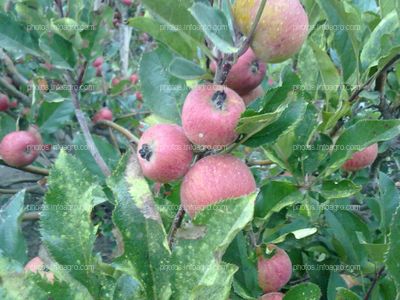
x=103 y=114
x=20 y=148
x=98 y=62
x=272 y=296
x=171 y=153
x=36 y=265
x=253 y=95
x=205 y=123
x=282 y=29
x=274 y=272
x=4 y=102
x=246 y=74
x=213 y=179
x=361 y=159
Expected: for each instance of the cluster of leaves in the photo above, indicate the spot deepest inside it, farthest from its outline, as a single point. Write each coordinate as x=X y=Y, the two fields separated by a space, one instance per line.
x=294 y=126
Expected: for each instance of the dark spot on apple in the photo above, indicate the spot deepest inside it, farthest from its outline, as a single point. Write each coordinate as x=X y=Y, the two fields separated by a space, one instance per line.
x=145 y=152
x=255 y=66
x=218 y=99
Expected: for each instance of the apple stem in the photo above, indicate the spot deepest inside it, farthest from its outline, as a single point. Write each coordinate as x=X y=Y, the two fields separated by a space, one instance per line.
x=29 y=169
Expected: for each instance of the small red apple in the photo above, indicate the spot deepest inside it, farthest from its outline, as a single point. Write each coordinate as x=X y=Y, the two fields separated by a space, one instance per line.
x=127 y=2
x=164 y=153
x=134 y=78
x=213 y=179
x=139 y=96
x=98 y=62
x=246 y=74
x=210 y=115
x=103 y=114
x=13 y=104
x=253 y=95
x=4 y=102
x=272 y=296
x=20 y=148
x=274 y=272
x=36 y=265
x=115 y=81
x=361 y=159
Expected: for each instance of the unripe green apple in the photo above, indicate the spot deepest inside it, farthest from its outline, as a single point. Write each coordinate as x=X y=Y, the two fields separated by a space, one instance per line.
x=164 y=153
x=282 y=29
x=210 y=115
x=361 y=159
x=20 y=148
x=246 y=74
x=272 y=296
x=274 y=272
x=213 y=179
x=258 y=92
x=103 y=114
x=36 y=265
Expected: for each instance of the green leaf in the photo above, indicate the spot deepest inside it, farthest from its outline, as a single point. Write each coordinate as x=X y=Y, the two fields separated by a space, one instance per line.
x=106 y=150
x=185 y=69
x=274 y=196
x=175 y=40
x=346 y=42
x=329 y=73
x=59 y=51
x=359 y=136
x=144 y=237
x=388 y=201
x=66 y=222
x=15 y=38
x=392 y=255
x=335 y=282
x=304 y=291
x=343 y=226
x=346 y=294
x=176 y=13
x=197 y=254
x=388 y=6
x=215 y=25
x=287 y=121
x=332 y=189
x=12 y=242
x=163 y=93
x=7 y=125
x=127 y=288
x=53 y=116
x=376 y=47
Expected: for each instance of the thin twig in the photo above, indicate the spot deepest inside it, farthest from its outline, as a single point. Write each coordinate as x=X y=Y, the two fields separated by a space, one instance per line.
x=132 y=114
x=259 y=163
x=31 y=216
x=29 y=169
x=366 y=85
x=175 y=225
x=125 y=132
x=374 y=282
x=31 y=189
x=12 y=91
x=12 y=69
x=84 y=126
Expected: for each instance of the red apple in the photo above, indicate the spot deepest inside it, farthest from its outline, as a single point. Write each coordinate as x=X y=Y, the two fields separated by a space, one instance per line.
x=134 y=78
x=258 y=92
x=274 y=272
x=103 y=114
x=213 y=179
x=4 y=102
x=361 y=159
x=36 y=265
x=164 y=153
x=115 y=81
x=98 y=62
x=20 y=148
x=246 y=74
x=282 y=29
x=139 y=96
x=210 y=115
x=127 y=2
x=13 y=104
